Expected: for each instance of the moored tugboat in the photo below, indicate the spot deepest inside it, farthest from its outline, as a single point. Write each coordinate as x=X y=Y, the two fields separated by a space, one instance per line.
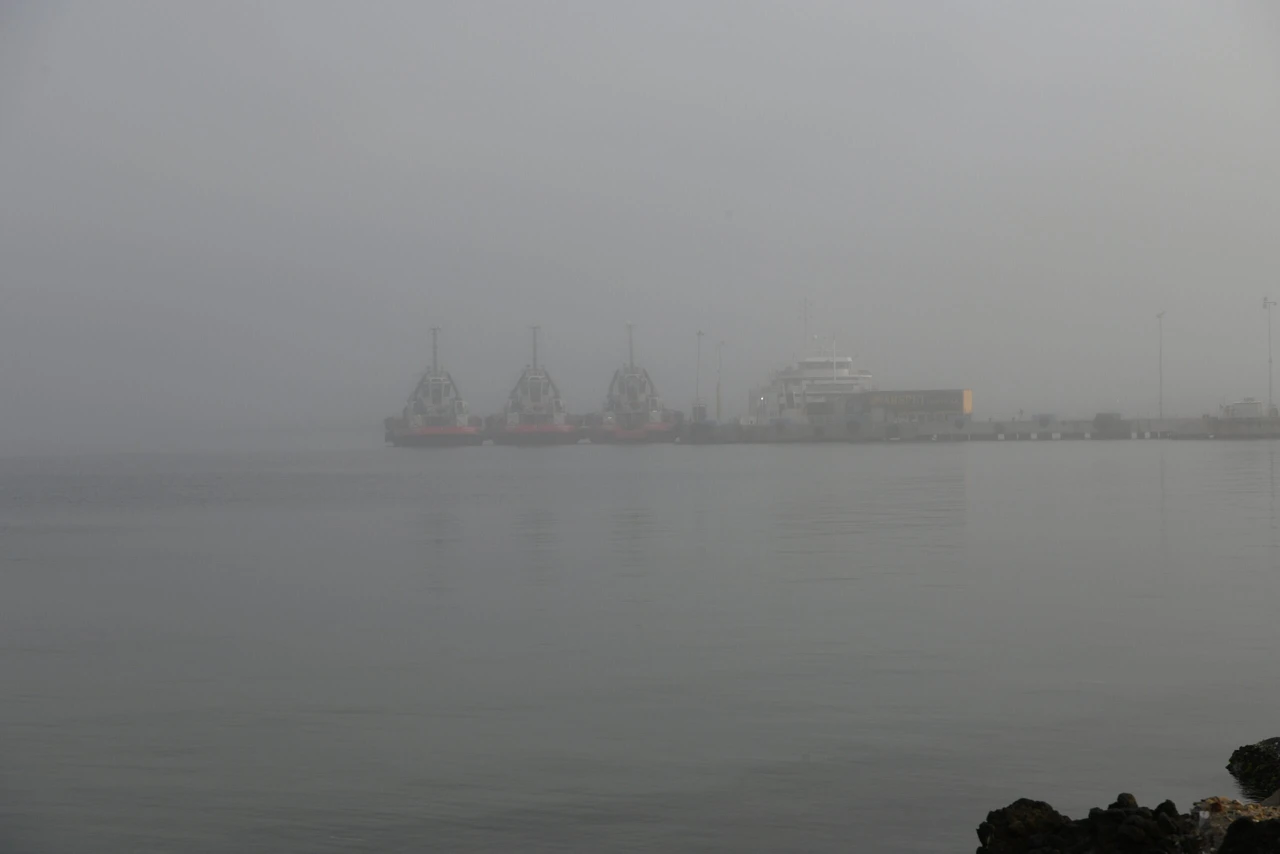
x=436 y=414
x=534 y=413
x=633 y=411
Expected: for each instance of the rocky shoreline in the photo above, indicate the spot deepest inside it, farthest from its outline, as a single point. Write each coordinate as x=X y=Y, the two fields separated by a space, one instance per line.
x=1214 y=825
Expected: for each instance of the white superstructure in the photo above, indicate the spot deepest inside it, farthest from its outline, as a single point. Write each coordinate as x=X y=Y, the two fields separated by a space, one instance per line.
x=810 y=391
x=1250 y=407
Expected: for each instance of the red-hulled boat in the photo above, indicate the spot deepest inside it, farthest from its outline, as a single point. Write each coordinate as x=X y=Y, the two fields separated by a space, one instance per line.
x=436 y=414
x=534 y=413
x=633 y=411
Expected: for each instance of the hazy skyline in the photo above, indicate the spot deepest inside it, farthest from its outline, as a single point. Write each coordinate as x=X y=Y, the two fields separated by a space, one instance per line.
x=224 y=218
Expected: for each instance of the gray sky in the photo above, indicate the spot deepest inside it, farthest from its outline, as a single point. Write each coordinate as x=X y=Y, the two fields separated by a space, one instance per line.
x=222 y=219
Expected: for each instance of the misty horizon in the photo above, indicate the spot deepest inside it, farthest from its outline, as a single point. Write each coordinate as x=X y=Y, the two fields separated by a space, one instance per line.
x=224 y=221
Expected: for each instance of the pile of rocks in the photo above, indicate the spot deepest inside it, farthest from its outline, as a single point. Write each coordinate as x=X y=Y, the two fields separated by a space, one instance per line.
x=1213 y=826
x=1217 y=819
x=1034 y=827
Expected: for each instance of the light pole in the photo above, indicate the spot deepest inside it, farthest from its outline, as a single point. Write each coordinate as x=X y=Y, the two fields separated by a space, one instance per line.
x=719 y=366
x=1268 y=304
x=1160 y=319
x=699 y=407
x=697 y=380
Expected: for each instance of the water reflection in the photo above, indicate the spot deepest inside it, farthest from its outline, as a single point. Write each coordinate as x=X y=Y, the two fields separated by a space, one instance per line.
x=537 y=534
x=442 y=528
x=632 y=530
x=1164 y=515
x=443 y=532
x=844 y=518
x=1275 y=521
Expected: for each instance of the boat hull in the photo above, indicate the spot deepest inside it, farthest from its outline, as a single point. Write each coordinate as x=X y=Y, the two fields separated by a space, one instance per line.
x=662 y=432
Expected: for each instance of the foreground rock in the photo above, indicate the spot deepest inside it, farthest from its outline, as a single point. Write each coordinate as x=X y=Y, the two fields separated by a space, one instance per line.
x=1214 y=826
x=1252 y=837
x=1256 y=768
x=1034 y=827
x=1230 y=827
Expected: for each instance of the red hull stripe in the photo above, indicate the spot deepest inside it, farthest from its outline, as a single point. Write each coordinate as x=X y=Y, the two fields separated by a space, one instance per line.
x=443 y=431
x=540 y=428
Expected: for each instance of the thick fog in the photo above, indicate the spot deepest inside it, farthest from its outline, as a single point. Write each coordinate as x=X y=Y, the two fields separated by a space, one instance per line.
x=227 y=221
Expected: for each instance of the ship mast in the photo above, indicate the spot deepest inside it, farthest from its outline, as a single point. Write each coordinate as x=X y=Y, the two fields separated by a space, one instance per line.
x=631 y=350
x=535 y=346
x=435 y=330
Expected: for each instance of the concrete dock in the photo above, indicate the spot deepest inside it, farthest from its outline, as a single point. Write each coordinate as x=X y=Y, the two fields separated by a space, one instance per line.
x=1039 y=430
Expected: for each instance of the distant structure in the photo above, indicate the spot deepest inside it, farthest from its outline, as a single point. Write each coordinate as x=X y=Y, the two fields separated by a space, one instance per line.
x=815 y=394
x=1250 y=407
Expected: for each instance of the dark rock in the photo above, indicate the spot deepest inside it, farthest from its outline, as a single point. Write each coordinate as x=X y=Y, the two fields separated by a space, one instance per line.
x=1256 y=768
x=1034 y=827
x=1247 y=836
x=1124 y=801
x=1021 y=826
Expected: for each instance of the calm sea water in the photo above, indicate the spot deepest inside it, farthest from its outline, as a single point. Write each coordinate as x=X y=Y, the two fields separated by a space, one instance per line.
x=818 y=648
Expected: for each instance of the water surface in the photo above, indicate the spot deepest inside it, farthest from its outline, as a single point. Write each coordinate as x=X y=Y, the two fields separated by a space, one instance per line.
x=780 y=648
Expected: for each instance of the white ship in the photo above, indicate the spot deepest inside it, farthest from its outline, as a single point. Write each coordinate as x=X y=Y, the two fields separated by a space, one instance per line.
x=815 y=392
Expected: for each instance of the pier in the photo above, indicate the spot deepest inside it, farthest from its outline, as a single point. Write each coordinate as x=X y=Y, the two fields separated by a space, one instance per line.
x=1028 y=430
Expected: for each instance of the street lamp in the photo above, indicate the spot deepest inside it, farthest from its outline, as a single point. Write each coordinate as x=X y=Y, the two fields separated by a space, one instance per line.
x=1160 y=319
x=697 y=380
x=719 y=366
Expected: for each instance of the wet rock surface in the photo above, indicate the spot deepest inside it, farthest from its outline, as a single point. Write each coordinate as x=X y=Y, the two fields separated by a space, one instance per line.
x=1034 y=827
x=1256 y=768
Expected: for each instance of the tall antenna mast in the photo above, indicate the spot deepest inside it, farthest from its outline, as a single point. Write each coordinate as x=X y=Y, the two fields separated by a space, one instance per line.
x=719 y=365
x=1160 y=321
x=697 y=379
x=631 y=350
x=535 y=346
x=435 y=364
